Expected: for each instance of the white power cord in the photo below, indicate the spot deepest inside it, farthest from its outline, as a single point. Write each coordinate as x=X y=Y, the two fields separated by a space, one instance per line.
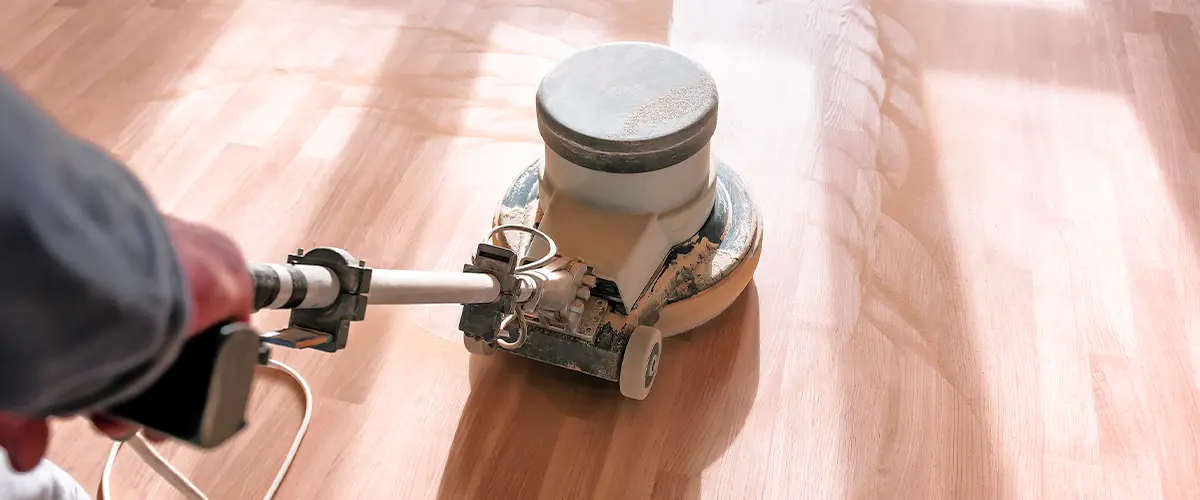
x=160 y=465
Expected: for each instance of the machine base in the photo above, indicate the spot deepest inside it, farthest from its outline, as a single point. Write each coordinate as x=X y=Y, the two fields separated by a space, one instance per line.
x=698 y=279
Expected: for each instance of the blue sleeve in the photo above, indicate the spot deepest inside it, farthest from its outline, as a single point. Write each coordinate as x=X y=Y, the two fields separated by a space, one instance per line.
x=92 y=297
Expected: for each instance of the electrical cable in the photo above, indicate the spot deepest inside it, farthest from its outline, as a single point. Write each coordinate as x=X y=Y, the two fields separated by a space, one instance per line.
x=177 y=480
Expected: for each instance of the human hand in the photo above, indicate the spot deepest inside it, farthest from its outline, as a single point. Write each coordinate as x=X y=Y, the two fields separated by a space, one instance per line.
x=221 y=289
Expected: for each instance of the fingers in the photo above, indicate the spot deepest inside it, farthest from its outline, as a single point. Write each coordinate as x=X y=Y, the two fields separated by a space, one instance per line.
x=219 y=280
x=25 y=440
x=113 y=428
x=121 y=431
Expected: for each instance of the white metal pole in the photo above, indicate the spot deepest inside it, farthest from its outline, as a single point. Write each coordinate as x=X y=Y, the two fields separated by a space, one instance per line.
x=393 y=286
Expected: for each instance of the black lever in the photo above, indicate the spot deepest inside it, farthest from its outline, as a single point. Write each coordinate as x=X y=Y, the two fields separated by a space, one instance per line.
x=202 y=397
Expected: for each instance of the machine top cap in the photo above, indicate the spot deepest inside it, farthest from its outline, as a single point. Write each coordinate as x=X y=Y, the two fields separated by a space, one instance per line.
x=627 y=107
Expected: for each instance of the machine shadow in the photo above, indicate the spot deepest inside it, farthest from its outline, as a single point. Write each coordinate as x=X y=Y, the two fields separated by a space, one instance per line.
x=534 y=431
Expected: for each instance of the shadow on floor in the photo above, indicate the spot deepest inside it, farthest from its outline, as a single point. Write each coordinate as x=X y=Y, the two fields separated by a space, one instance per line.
x=535 y=431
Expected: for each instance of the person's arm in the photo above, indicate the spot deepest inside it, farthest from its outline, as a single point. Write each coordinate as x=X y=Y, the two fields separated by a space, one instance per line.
x=94 y=304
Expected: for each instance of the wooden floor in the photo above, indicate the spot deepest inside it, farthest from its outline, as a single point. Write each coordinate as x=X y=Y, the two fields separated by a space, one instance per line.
x=990 y=289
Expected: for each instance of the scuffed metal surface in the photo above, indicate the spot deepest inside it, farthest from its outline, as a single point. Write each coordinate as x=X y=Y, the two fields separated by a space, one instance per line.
x=725 y=240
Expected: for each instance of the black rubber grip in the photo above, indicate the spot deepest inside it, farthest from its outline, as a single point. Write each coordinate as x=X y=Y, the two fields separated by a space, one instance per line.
x=268 y=286
x=202 y=398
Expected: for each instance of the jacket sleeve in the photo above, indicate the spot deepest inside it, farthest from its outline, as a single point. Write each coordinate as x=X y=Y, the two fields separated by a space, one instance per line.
x=92 y=297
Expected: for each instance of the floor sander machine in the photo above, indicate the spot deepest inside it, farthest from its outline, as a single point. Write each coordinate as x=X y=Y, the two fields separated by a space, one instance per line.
x=627 y=230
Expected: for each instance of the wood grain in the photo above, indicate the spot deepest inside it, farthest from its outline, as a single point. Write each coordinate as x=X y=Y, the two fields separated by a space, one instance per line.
x=980 y=279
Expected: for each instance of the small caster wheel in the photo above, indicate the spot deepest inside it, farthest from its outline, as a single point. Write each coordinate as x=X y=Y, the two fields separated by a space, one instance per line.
x=639 y=364
x=476 y=346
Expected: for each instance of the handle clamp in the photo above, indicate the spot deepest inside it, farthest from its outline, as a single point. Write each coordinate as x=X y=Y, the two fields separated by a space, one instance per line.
x=327 y=329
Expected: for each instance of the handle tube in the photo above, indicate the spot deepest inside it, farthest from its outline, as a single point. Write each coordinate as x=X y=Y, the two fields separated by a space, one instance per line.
x=393 y=286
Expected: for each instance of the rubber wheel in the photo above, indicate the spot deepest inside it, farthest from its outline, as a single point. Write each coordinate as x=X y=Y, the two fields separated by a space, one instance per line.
x=639 y=364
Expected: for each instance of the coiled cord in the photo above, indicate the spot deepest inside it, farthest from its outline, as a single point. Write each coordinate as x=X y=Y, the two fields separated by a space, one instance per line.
x=177 y=480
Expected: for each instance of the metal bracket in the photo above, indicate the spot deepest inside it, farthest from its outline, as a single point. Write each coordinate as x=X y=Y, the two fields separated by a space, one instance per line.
x=328 y=329
x=482 y=321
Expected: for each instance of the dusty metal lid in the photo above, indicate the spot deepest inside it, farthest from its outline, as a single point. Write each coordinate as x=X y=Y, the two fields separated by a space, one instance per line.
x=627 y=107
